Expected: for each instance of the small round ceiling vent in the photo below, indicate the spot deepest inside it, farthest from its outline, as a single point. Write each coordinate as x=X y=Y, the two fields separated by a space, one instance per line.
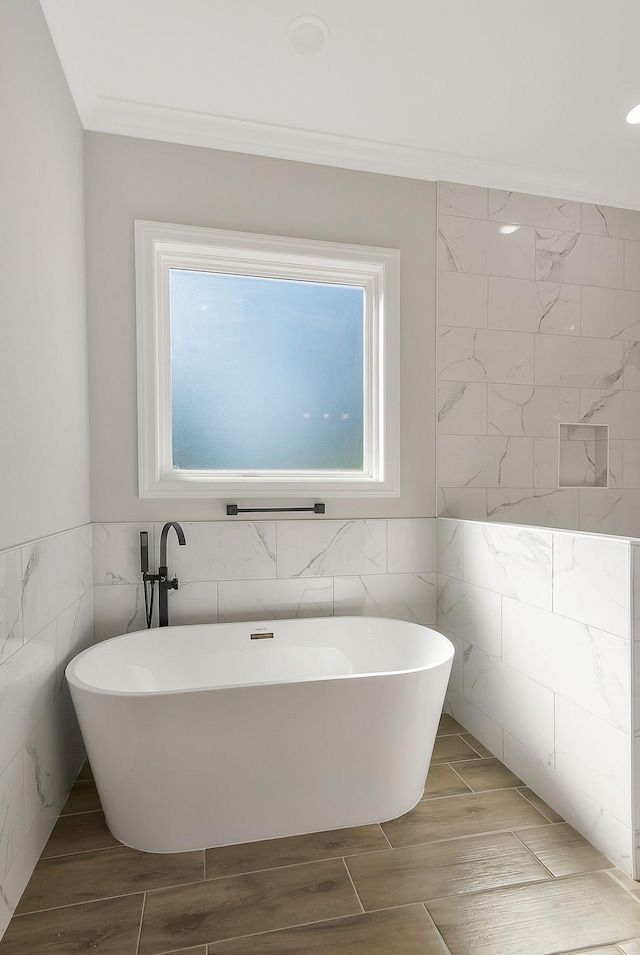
x=307 y=35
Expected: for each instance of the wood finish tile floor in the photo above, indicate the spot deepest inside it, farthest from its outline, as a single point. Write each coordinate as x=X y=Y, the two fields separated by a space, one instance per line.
x=481 y=866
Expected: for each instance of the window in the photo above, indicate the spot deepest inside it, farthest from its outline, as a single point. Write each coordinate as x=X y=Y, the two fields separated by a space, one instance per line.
x=267 y=366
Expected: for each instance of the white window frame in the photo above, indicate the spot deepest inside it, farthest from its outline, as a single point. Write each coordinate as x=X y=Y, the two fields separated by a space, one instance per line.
x=162 y=246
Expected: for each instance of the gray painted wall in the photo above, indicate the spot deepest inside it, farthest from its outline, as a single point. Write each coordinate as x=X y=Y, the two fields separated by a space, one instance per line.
x=44 y=439
x=129 y=179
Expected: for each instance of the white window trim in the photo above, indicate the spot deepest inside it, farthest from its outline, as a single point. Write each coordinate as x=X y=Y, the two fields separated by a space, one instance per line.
x=162 y=246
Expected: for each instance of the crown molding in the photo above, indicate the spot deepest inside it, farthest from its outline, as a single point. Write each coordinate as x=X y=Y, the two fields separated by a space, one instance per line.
x=193 y=128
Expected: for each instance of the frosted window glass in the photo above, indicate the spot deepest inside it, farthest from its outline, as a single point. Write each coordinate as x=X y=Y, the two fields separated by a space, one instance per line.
x=266 y=374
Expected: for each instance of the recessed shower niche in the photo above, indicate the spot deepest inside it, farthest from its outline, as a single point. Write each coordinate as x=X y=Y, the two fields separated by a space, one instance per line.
x=583 y=455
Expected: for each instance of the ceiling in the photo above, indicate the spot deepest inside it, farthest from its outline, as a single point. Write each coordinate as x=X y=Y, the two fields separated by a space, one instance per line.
x=529 y=95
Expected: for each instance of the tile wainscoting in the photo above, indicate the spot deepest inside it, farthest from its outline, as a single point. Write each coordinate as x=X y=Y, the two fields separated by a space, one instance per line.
x=46 y=617
x=544 y=630
x=539 y=324
x=253 y=570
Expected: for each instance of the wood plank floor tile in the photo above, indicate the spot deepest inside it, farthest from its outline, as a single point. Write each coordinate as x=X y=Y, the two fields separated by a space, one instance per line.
x=442 y=781
x=563 y=850
x=246 y=904
x=86 y=876
x=82 y=798
x=565 y=915
x=482 y=775
x=625 y=881
x=82 y=832
x=109 y=927
x=418 y=873
x=540 y=805
x=274 y=853
x=608 y=950
x=85 y=771
x=199 y=950
x=452 y=816
x=401 y=931
x=476 y=744
x=448 y=726
x=448 y=748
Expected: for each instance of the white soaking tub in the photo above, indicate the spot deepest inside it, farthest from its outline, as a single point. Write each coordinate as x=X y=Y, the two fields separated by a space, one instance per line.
x=204 y=736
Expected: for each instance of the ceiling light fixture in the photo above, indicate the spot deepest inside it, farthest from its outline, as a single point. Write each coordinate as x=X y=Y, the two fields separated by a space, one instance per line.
x=508 y=229
x=307 y=35
x=633 y=116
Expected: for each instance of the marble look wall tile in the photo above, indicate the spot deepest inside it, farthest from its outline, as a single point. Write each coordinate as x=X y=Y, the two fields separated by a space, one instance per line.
x=618 y=409
x=74 y=633
x=616 y=464
x=523 y=305
x=606 y=220
x=632 y=366
x=450 y=547
x=118 y=610
x=546 y=213
x=579 y=362
x=193 y=602
x=400 y=596
x=116 y=553
x=478 y=723
x=518 y=704
x=545 y=463
x=589 y=818
x=274 y=599
x=532 y=411
x=456 y=680
x=457 y=199
x=85 y=557
x=412 y=545
x=12 y=816
x=51 y=579
x=583 y=664
x=470 y=612
x=632 y=265
x=635 y=608
x=485 y=460
x=579 y=259
x=27 y=681
x=594 y=756
x=473 y=245
x=591 y=581
x=222 y=550
x=462 y=407
x=509 y=560
x=462 y=299
x=464 y=503
x=546 y=508
x=331 y=548
x=630 y=463
x=11 y=637
x=610 y=511
x=467 y=354
x=610 y=313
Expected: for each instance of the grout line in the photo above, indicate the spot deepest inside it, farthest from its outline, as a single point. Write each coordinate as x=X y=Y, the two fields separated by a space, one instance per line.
x=552 y=821
x=385 y=835
x=144 y=899
x=532 y=853
x=436 y=929
x=344 y=862
x=471 y=790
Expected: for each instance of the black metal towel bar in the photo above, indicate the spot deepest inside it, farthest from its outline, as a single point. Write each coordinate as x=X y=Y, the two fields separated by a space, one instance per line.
x=233 y=509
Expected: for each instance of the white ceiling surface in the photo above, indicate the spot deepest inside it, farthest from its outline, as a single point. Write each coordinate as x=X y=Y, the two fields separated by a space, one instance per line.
x=528 y=95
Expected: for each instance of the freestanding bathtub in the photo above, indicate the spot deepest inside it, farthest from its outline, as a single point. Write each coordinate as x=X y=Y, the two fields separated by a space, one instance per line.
x=217 y=734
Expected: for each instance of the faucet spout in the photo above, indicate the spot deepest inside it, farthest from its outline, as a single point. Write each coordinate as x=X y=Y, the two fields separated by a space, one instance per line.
x=164 y=584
